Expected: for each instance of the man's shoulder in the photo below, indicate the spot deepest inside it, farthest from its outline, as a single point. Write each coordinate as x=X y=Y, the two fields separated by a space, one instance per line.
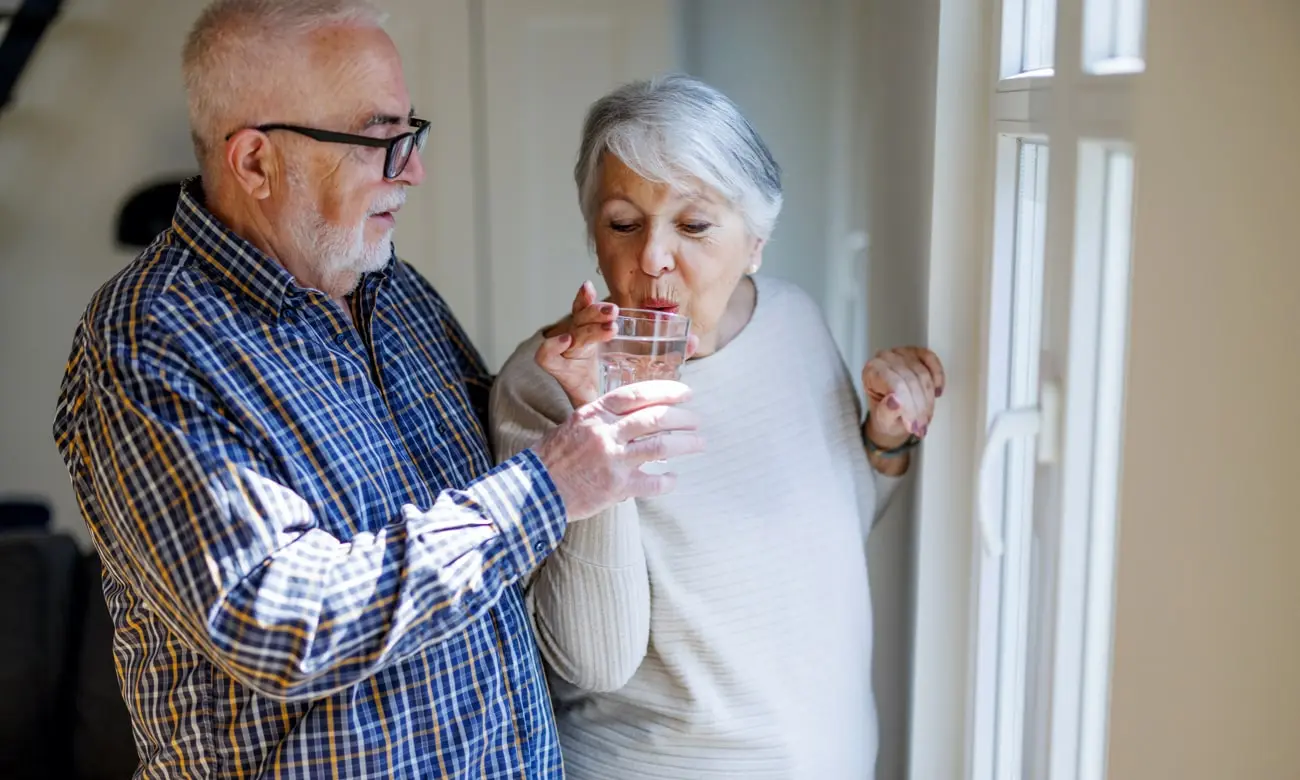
x=131 y=304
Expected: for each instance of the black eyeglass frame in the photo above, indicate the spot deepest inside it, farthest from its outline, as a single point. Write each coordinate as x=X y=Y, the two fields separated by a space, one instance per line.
x=397 y=150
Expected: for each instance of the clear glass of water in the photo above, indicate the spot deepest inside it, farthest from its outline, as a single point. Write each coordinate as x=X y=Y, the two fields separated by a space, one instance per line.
x=647 y=345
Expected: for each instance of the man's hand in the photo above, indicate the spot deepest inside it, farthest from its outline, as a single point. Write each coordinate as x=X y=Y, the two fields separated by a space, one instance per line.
x=595 y=457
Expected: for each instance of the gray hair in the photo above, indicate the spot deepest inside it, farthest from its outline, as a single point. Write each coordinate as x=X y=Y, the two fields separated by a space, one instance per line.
x=228 y=60
x=674 y=128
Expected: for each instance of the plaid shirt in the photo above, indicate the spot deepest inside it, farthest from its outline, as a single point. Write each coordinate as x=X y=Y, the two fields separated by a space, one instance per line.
x=310 y=561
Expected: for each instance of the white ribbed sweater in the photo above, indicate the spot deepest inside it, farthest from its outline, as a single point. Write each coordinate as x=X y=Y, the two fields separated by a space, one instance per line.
x=722 y=631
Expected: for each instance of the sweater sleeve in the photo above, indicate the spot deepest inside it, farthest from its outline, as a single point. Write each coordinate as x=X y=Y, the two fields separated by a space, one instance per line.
x=590 y=600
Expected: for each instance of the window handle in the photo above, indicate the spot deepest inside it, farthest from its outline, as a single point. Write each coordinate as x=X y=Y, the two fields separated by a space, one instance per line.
x=1010 y=425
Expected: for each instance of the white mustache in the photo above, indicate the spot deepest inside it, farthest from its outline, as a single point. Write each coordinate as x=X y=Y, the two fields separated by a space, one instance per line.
x=389 y=203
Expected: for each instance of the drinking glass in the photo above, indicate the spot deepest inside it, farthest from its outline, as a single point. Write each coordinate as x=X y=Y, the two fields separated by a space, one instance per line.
x=647 y=345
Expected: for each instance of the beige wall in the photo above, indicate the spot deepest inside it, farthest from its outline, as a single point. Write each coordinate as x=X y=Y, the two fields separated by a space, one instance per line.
x=1207 y=657
x=98 y=112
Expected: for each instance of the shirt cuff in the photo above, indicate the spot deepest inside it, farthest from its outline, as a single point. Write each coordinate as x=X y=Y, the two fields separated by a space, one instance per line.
x=522 y=500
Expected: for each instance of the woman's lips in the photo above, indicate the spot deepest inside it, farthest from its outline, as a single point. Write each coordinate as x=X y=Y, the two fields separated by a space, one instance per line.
x=654 y=304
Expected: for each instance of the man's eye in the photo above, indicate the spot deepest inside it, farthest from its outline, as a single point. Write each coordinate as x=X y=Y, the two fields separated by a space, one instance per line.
x=622 y=227
x=695 y=228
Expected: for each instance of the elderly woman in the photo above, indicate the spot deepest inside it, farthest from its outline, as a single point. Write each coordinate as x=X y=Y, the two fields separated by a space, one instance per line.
x=722 y=629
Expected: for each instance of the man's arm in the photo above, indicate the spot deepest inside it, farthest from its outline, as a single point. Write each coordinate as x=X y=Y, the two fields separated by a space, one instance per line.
x=470 y=365
x=238 y=564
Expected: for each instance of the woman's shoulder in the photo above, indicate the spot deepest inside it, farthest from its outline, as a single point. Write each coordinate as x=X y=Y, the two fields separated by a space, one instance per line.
x=523 y=390
x=788 y=306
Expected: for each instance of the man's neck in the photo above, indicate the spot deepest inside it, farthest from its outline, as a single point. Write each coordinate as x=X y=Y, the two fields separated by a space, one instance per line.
x=247 y=221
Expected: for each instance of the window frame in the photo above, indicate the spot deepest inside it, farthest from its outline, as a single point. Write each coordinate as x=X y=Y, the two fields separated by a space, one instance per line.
x=1081 y=112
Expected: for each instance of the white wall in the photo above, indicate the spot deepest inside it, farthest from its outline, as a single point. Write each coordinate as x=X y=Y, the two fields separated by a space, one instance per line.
x=774 y=59
x=1206 y=679
x=901 y=50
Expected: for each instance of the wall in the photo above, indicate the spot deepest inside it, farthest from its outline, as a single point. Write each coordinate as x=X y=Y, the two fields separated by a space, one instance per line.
x=98 y=112
x=901 y=51
x=1206 y=681
x=101 y=110
x=772 y=58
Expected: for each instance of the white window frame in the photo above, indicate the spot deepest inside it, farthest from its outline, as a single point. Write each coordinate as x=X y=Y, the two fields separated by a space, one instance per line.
x=1081 y=106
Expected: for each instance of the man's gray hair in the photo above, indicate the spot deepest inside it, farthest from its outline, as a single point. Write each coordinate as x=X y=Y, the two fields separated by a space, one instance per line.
x=229 y=57
x=674 y=128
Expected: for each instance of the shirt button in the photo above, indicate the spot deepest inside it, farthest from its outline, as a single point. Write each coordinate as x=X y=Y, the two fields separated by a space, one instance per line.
x=540 y=547
x=341 y=338
x=291 y=317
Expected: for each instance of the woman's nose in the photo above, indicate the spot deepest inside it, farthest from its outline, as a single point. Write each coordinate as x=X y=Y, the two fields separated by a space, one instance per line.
x=657 y=255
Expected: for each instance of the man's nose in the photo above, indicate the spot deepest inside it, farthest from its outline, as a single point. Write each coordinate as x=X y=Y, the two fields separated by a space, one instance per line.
x=413 y=173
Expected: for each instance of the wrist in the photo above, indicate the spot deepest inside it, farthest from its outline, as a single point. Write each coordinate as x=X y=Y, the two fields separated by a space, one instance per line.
x=884 y=445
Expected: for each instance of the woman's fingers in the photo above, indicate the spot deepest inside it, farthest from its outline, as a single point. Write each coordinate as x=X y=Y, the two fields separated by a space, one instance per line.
x=585 y=297
x=551 y=351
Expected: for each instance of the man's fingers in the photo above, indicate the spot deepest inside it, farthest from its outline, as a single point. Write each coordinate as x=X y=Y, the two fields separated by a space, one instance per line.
x=655 y=419
x=630 y=398
x=662 y=446
x=642 y=485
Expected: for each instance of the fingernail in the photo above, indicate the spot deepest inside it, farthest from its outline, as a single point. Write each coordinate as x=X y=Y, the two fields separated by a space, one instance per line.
x=606 y=308
x=916 y=428
x=924 y=430
x=892 y=403
x=938 y=392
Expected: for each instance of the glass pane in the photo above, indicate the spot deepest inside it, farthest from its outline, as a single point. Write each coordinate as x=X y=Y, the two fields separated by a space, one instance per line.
x=1017 y=361
x=1038 y=35
x=1112 y=338
x=1028 y=36
x=1114 y=32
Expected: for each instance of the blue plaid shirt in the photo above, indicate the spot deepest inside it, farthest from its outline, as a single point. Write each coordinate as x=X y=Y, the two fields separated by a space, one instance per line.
x=310 y=561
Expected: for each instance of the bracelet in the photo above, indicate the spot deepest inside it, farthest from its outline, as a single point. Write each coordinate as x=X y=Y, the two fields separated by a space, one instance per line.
x=876 y=449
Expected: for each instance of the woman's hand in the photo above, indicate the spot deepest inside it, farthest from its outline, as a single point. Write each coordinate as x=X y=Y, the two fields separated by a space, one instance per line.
x=901 y=385
x=570 y=350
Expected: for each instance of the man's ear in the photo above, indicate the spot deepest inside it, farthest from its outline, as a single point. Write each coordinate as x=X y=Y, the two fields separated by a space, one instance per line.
x=250 y=160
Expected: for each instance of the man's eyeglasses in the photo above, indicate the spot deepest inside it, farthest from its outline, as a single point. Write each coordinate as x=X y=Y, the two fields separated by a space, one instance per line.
x=398 y=148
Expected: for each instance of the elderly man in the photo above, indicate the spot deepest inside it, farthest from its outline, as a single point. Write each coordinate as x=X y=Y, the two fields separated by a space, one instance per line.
x=276 y=433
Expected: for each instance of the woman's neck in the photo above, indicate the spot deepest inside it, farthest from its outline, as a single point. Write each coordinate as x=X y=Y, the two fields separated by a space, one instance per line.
x=739 y=311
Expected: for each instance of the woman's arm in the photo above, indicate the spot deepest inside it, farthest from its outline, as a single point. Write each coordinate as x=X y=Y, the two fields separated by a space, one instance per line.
x=590 y=599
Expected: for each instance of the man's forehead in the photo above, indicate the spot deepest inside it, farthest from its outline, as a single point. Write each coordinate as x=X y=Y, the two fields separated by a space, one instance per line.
x=360 y=72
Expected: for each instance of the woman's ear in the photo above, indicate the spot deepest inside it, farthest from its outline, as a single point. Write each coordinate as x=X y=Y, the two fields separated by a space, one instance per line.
x=756 y=256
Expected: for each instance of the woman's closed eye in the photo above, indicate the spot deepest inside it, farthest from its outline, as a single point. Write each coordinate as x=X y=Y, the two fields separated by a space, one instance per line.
x=694 y=228
x=622 y=227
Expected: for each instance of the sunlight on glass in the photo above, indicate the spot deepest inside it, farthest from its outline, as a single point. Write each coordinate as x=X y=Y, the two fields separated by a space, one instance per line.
x=1038 y=35
x=1114 y=36
x=1112 y=331
x=1020 y=562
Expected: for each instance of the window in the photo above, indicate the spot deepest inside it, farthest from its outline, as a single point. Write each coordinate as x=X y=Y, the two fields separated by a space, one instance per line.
x=1055 y=319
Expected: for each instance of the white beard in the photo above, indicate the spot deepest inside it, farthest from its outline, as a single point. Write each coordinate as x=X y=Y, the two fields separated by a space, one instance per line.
x=339 y=251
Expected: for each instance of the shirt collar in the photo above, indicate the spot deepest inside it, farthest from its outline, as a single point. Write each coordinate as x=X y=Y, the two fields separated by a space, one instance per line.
x=234 y=260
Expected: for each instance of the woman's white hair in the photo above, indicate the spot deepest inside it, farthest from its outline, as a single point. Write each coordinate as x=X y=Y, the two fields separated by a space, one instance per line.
x=676 y=128
x=229 y=60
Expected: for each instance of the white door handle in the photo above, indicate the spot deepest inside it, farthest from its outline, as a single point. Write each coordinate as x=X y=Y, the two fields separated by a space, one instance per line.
x=1007 y=426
